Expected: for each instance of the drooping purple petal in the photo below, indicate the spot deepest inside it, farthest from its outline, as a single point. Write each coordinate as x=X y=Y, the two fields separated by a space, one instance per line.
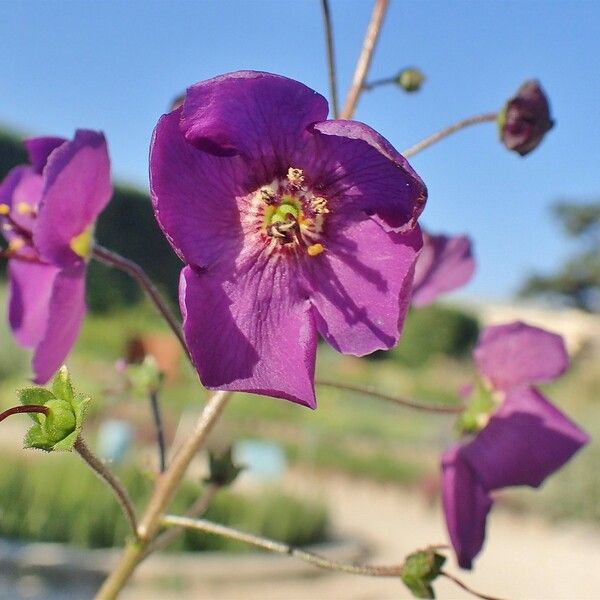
x=66 y=309
x=30 y=290
x=445 y=264
x=466 y=505
x=357 y=169
x=361 y=286
x=258 y=115
x=519 y=354
x=76 y=188
x=525 y=441
x=39 y=149
x=194 y=195
x=251 y=329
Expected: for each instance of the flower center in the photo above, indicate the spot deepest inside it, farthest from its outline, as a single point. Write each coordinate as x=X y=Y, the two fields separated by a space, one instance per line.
x=289 y=216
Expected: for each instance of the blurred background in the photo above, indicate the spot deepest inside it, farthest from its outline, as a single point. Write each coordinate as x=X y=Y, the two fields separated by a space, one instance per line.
x=358 y=476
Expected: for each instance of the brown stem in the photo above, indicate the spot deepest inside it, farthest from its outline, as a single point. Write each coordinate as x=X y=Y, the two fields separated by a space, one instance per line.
x=462 y=585
x=440 y=135
x=434 y=408
x=160 y=435
x=364 y=60
x=110 y=479
x=330 y=56
x=112 y=259
x=27 y=408
x=281 y=548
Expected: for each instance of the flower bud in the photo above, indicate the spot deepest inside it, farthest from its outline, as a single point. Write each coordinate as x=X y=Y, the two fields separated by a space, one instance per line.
x=410 y=79
x=222 y=469
x=419 y=570
x=525 y=119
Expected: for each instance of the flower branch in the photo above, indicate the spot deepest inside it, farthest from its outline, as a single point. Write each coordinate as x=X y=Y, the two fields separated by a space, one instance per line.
x=158 y=425
x=330 y=56
x=465 y=587
x=110 y=479
x=444 y=133
x=281 y=548
x=112 y=259
x=406 y=402
x=364 y=60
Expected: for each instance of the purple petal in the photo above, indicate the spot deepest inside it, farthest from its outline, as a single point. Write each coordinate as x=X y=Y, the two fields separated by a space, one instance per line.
x=194 y=195
x=250 y=113
x=526 y=440
x=359 y=169
x=65 y=314
x=76 y=188
x=361 y=286
x=40 y=148
x=251 y=331
x=466 y=506
x=445 y=263
x=21 y=186
x=518 y=354
x=30 y=290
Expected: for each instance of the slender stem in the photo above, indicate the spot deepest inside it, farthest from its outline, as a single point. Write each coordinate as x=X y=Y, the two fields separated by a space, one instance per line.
x=378 y=82
x=27 y=408
x=281 y=548
x=110 y=479
x=165 y=489
x=434 y=408
x=462 y=585
x=160 y=436
x=330 y=56
x=440 y=135
x=364 y=60
x=112 y=259
x=196 y=510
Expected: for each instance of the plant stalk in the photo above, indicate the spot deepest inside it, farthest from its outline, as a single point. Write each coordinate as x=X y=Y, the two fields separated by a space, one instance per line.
x=330 y=57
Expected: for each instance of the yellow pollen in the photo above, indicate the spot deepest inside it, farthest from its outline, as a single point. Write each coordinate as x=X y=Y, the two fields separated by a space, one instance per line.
x=315 y=249
x=23 y=208
x=319 y=205
x=82 y=244
x=4 y=209
x=267 y=195
x=16 y=244
x=295 y=176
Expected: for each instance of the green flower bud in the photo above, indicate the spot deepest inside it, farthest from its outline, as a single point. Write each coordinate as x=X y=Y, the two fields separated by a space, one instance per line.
x=223 y=471
x=410 y=80
x=475 y=417
x=419 y=571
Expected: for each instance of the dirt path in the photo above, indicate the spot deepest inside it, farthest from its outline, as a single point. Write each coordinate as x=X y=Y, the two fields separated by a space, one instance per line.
x=524 y=557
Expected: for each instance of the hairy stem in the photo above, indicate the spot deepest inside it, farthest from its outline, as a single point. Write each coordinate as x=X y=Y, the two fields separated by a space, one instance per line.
x=364 y=60
x=110 y=479
x=112 y=259
x=440 y=135
x=281 y=548
x=464 y=586
x=426 y=407
x=160 y=436
x=164 y=491
x=330 y=57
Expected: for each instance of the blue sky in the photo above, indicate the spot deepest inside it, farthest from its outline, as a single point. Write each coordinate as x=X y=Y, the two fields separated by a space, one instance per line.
x=115 y=66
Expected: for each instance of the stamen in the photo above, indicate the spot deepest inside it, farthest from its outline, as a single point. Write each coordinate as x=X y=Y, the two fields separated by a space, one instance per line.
x=7 y=227
x=267 y=195
x=319 y=205
x=315 y=249
x=4 y=209
x=16 y=244
x=295 y=177
x=23 y=208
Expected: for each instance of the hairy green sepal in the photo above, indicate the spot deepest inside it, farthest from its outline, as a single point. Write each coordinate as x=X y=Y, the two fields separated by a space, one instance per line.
x=419 y=571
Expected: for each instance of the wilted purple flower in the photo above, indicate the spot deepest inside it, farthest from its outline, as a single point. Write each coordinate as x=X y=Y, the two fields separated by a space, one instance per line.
x=445 y=264
x=289 y=224
x=525 y=119
x=47 y=211
x=525 y=440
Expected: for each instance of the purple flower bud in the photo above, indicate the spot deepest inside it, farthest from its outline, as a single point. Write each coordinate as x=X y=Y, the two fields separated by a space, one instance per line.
x=525 y=119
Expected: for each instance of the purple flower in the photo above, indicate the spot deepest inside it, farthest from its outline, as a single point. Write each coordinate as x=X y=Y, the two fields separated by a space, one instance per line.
x=445 y=264
x=48 y=210
x=289 y=224
x=525 y=440
x=525 y=119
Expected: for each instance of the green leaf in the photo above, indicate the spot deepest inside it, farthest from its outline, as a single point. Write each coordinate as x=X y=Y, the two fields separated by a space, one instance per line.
x=419 y=571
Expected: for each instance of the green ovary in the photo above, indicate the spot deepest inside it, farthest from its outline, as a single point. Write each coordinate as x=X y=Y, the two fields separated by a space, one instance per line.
x=82 y=244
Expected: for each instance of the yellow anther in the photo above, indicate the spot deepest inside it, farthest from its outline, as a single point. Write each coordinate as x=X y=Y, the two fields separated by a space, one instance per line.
x=16 y=244
x=267 y=195
x=82 y=244
x=295 y=176
x=4 y=209
x=23 y=208
x=315 y=249
x=319 y=205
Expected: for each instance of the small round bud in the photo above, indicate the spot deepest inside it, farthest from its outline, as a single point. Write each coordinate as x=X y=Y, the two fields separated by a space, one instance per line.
x=525 y=119
x=410 y=79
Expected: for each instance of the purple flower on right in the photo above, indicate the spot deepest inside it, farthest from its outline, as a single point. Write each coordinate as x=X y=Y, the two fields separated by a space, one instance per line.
x=525 y=119
x=523 y=441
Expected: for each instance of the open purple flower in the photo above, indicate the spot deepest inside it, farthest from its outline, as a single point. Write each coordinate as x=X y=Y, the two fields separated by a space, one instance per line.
x=48 y=210
x=524 y=441
x=289 y=224
x=445 y=264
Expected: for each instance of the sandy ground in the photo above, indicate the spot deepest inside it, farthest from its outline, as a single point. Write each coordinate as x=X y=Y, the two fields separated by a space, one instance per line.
x=524 y=557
